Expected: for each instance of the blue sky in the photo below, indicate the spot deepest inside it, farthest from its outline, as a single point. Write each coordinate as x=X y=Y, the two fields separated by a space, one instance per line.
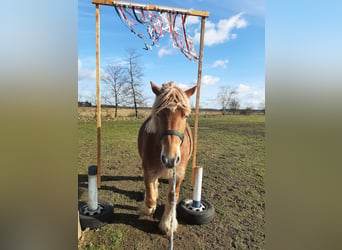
x=234 y=51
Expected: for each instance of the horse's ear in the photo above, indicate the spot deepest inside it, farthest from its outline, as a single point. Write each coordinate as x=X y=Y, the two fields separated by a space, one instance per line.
x=155 y=88
x=191 y=91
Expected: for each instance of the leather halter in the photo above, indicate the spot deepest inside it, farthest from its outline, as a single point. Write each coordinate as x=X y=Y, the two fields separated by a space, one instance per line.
x=173 y=132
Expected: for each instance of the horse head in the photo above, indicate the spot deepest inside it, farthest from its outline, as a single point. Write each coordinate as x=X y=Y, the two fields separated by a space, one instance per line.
x=169 y=114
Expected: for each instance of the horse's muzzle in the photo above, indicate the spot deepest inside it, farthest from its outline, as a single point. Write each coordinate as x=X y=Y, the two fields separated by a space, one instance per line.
x=169 y=162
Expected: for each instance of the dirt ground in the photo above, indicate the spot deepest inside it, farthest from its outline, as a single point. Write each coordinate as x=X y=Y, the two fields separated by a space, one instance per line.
x=231 y=150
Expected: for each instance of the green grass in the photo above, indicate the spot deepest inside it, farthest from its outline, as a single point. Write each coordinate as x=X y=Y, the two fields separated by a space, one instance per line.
x=231 y=150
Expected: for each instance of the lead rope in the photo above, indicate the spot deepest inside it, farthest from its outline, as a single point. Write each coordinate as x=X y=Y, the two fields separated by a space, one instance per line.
x=173 y=207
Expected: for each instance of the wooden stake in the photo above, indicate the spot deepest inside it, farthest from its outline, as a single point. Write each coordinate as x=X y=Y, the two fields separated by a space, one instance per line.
x=198 y=92
x=98 y=96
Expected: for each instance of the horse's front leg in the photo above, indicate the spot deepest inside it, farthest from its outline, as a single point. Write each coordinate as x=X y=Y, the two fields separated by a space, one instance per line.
x=148 y=206
x=165 y=222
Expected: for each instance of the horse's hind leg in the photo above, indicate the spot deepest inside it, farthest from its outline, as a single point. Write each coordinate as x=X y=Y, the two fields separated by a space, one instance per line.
x=148 y=206
x=164 y=224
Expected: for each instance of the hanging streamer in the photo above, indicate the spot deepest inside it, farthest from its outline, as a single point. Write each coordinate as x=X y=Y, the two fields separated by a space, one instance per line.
x=178 y=38
x=157 y=27
x=124 y=19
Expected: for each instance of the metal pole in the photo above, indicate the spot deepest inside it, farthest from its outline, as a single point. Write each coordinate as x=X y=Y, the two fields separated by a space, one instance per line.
x=92 y=188
x=199 y=77
x=196 y=197
x=98 y=95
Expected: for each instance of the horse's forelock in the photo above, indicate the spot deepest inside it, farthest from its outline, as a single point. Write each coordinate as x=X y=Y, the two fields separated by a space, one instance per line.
x=171 y=95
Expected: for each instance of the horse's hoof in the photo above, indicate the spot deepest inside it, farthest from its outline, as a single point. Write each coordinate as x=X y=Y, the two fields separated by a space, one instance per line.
x=164 y=230
x=165 y=227
x=144 y=210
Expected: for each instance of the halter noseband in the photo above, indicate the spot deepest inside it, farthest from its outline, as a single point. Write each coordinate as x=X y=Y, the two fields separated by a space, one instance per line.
x=173 y=132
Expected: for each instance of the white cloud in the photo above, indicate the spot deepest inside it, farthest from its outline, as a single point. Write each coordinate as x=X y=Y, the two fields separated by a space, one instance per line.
x=220 y=63
x=183 y=86
x=220 y=32
x=85 y=74
x=209 y=80
x=164 y=51
x=149 y=101
x=86 y=95
x=190 y=20
x=250 y=96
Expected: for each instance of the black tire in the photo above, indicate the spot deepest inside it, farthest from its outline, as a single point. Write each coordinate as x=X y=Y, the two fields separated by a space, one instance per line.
x=95 y=220
x=193 y=216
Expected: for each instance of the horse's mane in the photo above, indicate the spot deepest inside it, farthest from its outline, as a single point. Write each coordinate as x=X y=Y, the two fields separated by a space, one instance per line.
x=171 y=95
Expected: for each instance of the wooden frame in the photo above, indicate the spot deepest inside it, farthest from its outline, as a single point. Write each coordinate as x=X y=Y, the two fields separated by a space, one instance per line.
x=200 y=13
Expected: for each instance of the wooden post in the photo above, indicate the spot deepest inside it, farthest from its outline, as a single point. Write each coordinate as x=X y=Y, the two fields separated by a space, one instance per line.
x=98 y=95
x=198 y=92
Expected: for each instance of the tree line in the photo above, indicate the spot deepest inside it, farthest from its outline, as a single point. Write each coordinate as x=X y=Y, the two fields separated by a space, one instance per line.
x=124 y=85
x=229 y=102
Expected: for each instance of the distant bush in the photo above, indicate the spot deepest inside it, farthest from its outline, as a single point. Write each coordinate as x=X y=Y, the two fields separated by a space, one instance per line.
x=246 y=111
x=84 y=104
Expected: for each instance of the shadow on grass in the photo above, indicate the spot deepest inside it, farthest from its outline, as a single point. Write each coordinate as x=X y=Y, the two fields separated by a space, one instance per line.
x=131 y=218
x=84 y=178
x=145 y=223
x=134 y=195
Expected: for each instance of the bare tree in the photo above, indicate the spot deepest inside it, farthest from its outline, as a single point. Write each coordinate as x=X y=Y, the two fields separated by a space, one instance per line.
x=227 y=98
x=135 y=74
x=107 y=99
x=234 y=105
x=115 y=80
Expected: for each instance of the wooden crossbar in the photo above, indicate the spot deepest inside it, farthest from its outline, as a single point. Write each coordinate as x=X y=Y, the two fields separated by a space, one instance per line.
x=153 y=7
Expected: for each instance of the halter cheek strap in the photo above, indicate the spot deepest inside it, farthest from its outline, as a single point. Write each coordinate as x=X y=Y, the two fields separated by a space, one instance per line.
x=172 y=132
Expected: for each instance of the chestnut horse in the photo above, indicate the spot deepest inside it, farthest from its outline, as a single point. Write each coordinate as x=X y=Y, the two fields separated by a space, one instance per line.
x=164 y=143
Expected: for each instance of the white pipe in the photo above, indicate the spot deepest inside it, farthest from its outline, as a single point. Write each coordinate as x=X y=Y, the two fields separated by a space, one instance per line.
x=92 y=188
x=196 y=198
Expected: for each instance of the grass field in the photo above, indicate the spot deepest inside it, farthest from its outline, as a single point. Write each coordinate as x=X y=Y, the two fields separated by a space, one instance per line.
x=231 y=150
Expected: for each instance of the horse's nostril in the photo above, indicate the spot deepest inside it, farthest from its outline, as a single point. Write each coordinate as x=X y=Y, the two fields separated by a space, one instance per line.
x=177 y=159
